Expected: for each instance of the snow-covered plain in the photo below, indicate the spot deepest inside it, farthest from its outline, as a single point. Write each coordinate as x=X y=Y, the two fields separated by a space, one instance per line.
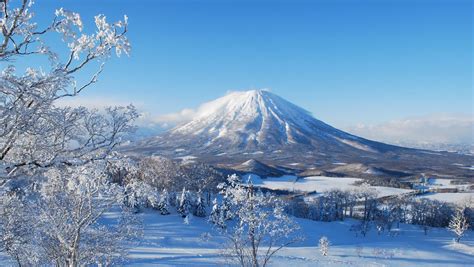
x=169 y=242
x=435 y=185
x=458 y=198
x=318 y=184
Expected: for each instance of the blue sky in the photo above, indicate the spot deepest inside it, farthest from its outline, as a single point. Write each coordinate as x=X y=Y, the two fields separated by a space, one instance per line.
x=348 y=62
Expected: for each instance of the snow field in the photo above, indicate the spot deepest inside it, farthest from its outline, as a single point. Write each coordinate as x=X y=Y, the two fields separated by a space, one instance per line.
x=318 y=184
x=169 y=242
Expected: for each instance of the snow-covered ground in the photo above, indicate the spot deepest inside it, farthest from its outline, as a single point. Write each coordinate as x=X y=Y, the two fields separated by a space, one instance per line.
x=459 y=198
x=445 y=184
x=318 y=184
x=437 y=185
x=169 y=242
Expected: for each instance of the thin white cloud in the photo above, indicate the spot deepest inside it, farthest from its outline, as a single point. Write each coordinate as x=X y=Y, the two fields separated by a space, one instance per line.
x=178 y=117
x=188 y=114
x=432 y=129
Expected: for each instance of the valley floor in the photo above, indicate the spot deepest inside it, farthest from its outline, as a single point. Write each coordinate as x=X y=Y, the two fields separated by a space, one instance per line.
x=169 y=242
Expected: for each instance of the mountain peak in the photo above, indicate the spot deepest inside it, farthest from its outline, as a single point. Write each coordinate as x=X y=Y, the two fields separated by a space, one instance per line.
x=259 y=125
x=252 y=101
x=250 y=119
x=258 y=121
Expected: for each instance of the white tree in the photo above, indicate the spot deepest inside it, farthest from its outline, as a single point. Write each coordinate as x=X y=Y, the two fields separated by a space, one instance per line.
x=68 y=209
x=324 y=245
x=216 y=217
x=164 y=203
x=459 y=223
x=173 y=175
x=16 y=233
x=38 y=135
x=184 y=206
x=139 y=194
x=260 y=227
x=368 y=195
x=36 y=132
x=200 y=210
x=161 y=173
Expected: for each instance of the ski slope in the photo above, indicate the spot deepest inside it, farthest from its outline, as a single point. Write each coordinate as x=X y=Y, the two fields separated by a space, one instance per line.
x=169 y=242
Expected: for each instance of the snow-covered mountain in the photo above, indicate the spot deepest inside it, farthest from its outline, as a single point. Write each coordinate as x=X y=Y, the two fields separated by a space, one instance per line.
x=258 y=121
x=260 y=125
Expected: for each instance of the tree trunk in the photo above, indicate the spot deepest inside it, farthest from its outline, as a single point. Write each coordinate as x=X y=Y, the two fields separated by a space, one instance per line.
x=73 y=262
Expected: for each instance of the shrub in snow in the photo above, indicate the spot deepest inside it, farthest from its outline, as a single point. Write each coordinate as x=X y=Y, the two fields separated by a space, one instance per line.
x=359 y=250
x=187 y=220
x=259 y=221
x=383 y=253
x=205 y=237
x=362 y=228
x=459 y=223
x=324 y=245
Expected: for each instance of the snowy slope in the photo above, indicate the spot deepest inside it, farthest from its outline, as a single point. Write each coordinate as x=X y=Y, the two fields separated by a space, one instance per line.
x=169 y=242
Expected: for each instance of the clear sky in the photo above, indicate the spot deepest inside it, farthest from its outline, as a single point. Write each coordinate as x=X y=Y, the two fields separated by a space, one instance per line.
x=347 y=62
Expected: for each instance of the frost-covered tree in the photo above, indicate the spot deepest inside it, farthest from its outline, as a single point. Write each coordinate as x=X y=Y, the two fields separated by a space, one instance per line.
x=459 y=223
x=139 y=194
x=430 y=213
x=215 y=217
x=161 y=173
x=383 y=220
x=67 y=209
x=200 y=210
x=164 y=203
x=201 y=177
x=36 y=132
x=260 y=227
x=16 y=233
x=225 y=208
x=324 y=245
x=44 y=145
x=368 y=195
x=399 y=208
x=184 y=206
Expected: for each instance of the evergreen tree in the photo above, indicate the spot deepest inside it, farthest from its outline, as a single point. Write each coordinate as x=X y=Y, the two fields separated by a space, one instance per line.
x=214 y=217
x=200 y=210
x=225 y=213
x=163 y=204
x=184 y=204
